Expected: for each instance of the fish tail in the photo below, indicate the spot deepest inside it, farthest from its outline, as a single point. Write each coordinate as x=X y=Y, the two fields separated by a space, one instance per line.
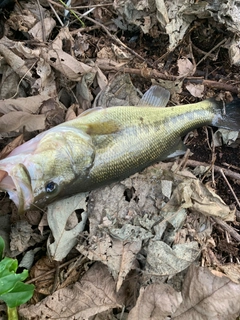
x=227 y=115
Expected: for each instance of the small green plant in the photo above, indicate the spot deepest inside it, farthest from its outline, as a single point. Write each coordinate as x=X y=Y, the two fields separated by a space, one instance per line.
x=12 y=290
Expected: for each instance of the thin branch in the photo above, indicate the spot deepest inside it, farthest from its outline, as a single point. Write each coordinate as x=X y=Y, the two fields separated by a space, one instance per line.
x=229 y=173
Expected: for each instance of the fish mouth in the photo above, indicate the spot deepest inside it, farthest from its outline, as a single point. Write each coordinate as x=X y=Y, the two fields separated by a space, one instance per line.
x=15 y=179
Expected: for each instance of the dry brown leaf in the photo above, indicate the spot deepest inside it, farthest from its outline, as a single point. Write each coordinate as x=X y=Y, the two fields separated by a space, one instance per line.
x=37 y=30
x=196 y=90
x=65 y=63
x=232 y=271
x=17 y=64
x=29 y=104
x=185 y=67
x=206 y=296
x=12 y=145
x=156 y=302
x=9 y=83
x=94 y=294
x=16 y=121
x=46 y=84
x=43 y=283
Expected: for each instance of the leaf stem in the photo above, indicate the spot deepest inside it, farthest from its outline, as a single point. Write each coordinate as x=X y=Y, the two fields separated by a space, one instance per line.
x=12 y=313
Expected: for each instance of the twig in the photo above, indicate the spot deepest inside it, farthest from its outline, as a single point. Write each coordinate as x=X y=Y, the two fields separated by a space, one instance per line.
x=42 y=22
x=227 y=227
x=229 y=173
x=183 y=161
x=81 y=7
x=214 y=48
x=153 y=73
x=88 y=29
x=56 y=14
x=230 y=187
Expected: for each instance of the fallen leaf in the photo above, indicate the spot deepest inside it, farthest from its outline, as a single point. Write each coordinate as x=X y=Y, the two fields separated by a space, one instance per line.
x=37 y=30
x=16 y=121
x=119 y=256
x=206 y=296
x=65 y=231
x=94 y=294
x=196 y=90
x=164 y=260
x=185 y=67
x=156 y=302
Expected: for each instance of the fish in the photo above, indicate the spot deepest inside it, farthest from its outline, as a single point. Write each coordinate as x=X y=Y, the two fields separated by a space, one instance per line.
x=104 y=145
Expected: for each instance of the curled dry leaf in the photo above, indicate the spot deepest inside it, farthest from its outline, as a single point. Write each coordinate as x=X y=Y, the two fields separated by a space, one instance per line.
x=196 y=90
x=16 y=63
x=44 y=282
x=12 y=145
x=194 y=195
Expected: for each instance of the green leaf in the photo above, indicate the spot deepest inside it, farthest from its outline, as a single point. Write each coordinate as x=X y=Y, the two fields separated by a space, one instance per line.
x=12 y=290
x=8 y=265
x=19 y=294
x=9 y=281
x=2 y=247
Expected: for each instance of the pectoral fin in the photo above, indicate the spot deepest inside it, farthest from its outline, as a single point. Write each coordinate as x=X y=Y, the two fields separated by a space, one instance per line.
x=156 y=96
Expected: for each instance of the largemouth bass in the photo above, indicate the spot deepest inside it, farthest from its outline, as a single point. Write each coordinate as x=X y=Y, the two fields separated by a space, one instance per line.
x=104 y=145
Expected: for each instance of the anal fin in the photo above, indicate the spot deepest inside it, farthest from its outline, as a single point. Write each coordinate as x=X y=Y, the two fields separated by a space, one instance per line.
x=179 y=149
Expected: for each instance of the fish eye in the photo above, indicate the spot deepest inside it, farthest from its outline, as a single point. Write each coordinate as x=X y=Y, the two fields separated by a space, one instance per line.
x=50 y=186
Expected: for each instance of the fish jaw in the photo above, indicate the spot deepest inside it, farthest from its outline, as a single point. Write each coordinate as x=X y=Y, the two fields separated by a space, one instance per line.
x=15 y=180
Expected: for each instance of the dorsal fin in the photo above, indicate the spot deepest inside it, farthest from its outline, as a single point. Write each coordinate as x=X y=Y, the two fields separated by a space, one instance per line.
x=156 y=96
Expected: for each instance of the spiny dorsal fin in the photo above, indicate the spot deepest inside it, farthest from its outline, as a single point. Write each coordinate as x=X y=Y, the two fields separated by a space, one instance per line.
x=156 y=96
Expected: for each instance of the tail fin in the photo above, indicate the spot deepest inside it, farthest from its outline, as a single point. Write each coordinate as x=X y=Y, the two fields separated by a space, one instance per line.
x=228 y=116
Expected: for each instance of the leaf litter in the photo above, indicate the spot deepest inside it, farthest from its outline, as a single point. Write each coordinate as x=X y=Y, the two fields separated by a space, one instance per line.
x=146 y=247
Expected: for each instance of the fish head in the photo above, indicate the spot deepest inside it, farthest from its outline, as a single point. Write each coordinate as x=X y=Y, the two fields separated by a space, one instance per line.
x=44 y=168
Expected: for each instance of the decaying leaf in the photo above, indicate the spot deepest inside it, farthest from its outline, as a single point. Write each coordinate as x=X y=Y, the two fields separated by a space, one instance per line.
x=94 y=294
x=224 y=136
x=164 y=260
